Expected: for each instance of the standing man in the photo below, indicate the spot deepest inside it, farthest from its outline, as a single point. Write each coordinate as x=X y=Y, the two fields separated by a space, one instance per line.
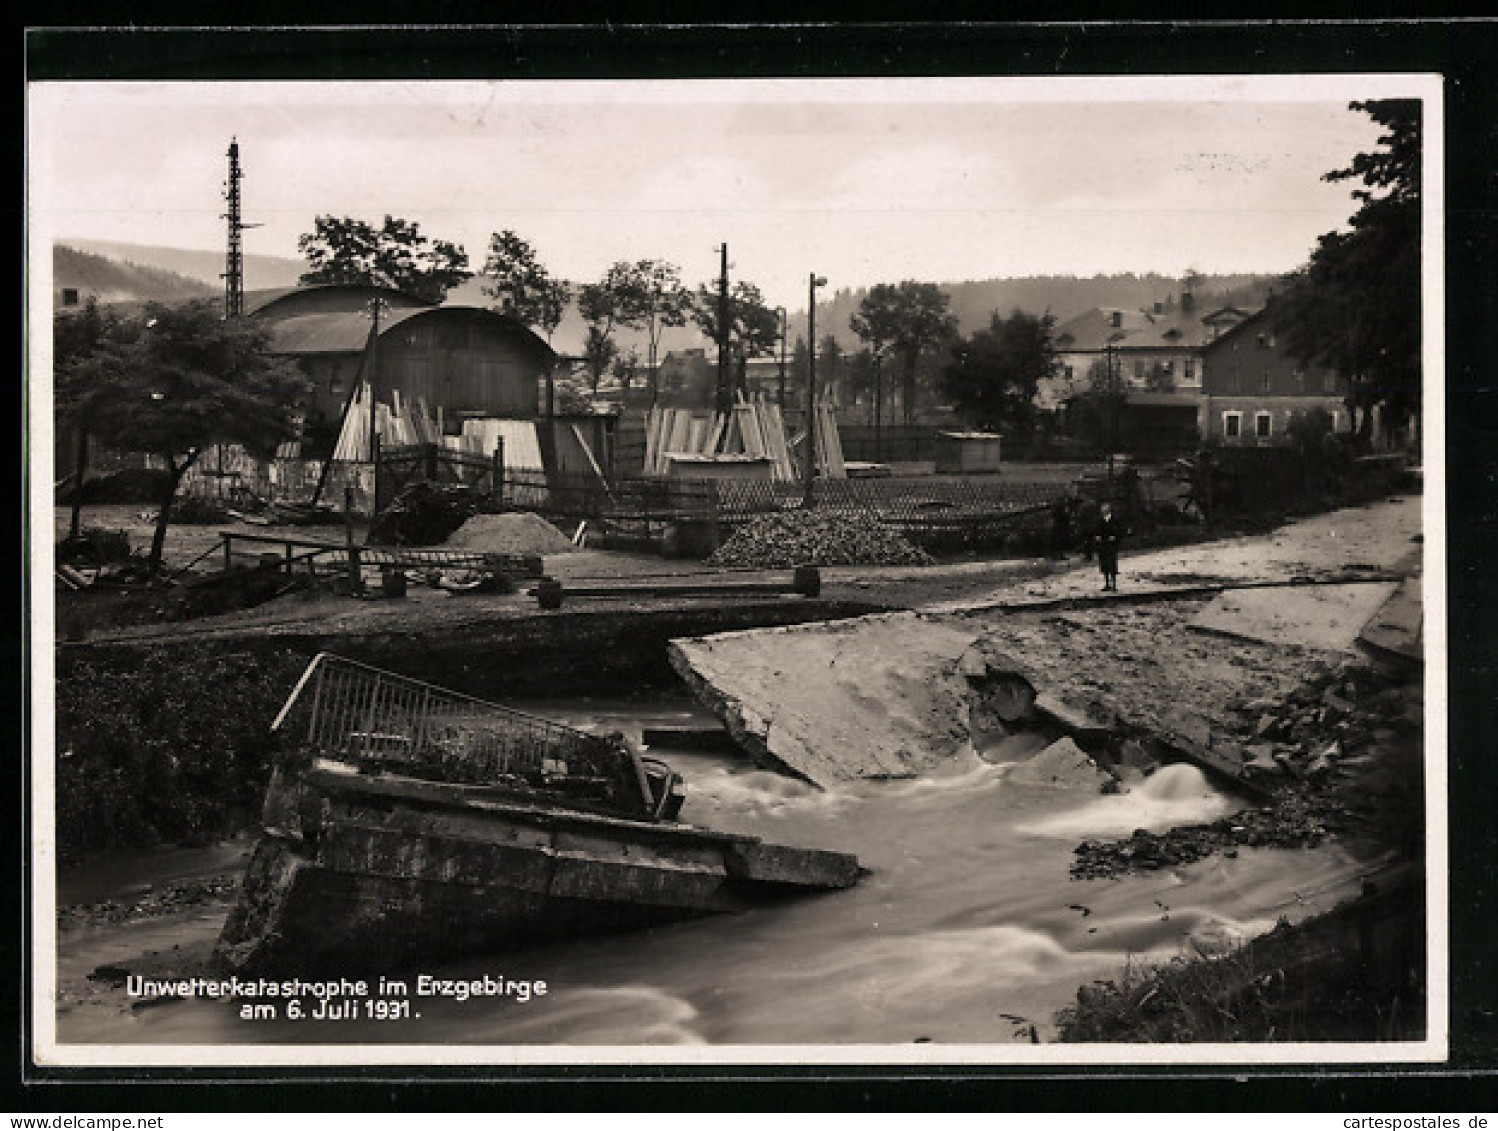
x=1108 y=534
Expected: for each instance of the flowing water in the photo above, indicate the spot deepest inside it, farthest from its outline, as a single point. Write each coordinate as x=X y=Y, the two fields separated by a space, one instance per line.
x=968 y=930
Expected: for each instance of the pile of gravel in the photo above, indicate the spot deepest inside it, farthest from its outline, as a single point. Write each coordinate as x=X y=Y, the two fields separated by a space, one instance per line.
x=796 y=538
x=520 y=533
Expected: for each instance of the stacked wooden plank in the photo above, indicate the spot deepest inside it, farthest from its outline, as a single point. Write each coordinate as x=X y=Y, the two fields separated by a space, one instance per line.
x=353 y=437
x=754 y=428
x=829 y=445
x=522 y=446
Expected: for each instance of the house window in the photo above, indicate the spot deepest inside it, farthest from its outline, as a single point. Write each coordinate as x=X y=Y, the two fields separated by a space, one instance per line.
x=70 y=296
x=1300 y=380
x=1139 y=369
x=1264 y=381
x=1232 y=425
x=1263 y=425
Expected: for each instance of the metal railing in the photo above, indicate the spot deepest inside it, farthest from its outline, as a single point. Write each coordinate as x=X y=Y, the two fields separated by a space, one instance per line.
x=377 y=719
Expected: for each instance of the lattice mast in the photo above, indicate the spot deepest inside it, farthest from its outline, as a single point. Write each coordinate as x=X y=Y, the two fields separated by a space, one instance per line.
x=234 y=261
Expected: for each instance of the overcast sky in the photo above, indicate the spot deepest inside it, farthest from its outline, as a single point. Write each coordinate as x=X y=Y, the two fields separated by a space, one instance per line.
x=865 y=181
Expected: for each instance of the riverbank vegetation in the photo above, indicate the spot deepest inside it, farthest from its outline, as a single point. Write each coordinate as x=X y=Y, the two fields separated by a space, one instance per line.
x=164 y=751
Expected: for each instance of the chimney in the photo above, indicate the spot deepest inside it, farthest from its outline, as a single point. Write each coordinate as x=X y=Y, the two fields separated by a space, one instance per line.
x=1188 y=302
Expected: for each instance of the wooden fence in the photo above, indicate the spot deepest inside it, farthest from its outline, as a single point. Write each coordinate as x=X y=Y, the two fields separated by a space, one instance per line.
x=925 y=508
x=433 y=463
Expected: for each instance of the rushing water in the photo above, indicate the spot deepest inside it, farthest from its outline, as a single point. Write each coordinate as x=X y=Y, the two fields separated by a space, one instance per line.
x=968 y=929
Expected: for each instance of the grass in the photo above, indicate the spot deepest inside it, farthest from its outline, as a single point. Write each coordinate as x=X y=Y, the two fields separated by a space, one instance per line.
x=1353 y=974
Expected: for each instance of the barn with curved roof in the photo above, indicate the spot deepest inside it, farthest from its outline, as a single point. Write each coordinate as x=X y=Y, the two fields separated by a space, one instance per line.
x=468 y=361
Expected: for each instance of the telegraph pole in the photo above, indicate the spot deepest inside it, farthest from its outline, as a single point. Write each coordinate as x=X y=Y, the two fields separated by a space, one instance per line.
x=811 y=386
x=781 y=311
x=725 y=399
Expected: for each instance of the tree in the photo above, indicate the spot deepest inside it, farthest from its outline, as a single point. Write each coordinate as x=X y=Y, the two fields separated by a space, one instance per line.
x=1094 y=414
x=343 y=250
x=1355 y=305
x=1160 y=379
x=626 y=367
x=178 y=381
x=753 y=329
x=654 y=299
x=831 y=367
x=798 y=369
x=909 y=318
x=993 y=375
x=521 y=286
x=605 y=306
x=77 y=337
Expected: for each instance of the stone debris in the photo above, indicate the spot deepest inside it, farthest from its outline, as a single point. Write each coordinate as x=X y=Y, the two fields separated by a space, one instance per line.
x=421 y=514
x=1340 y=752
x=1062 y=763
x=795 y=538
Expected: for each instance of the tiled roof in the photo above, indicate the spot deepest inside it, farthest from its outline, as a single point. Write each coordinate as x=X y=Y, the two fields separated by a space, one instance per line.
x=1093 y=331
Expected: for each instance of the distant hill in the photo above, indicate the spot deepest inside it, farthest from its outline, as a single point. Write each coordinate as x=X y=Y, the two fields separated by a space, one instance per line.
x=261 y=272
x=110 y=281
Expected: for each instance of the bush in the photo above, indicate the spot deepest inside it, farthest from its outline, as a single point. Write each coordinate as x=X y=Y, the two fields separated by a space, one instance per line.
x=198 y=510
x=95 y=546
x=132 y=485
x=165 y=750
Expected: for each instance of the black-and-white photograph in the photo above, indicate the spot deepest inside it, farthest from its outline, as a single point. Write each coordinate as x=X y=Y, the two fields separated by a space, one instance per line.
x=905 y=570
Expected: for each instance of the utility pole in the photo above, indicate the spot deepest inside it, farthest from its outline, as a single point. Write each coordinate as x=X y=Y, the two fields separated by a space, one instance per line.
x=376 y=305
x=1114 y=396
x=811 y=386
x=781 y=311
x=725 y=399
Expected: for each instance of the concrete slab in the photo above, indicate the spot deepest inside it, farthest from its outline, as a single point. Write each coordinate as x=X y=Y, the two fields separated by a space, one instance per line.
x=1397 y=629
x=879 y=697
x=1326 y=617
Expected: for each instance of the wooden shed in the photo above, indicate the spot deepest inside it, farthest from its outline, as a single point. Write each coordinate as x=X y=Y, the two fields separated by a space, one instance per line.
x=967 y=453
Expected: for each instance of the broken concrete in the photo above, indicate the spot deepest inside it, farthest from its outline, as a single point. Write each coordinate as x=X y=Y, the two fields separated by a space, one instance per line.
x=876 y=697
x=1327 y=617
x=888 y=696
x=1062 y=763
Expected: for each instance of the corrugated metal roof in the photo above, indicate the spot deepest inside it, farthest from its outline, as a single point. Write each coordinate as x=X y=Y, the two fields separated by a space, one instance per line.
x=333 y=332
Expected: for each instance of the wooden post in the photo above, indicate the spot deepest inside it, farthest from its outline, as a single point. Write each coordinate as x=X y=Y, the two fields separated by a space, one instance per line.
x=354 y=576
x=498 y=474
x=374 y=487
x=228 y=551
x=431 y=462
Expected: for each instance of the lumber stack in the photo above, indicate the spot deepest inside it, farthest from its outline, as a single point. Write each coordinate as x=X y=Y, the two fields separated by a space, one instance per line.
x=754 y=427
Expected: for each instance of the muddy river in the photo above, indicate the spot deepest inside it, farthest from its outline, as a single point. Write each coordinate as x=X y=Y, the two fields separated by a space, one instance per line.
x=968 y=930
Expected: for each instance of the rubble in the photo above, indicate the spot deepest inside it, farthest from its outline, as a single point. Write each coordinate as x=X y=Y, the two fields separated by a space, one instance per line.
x=1308 y=749
x=422 y=514
x=794 y=538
